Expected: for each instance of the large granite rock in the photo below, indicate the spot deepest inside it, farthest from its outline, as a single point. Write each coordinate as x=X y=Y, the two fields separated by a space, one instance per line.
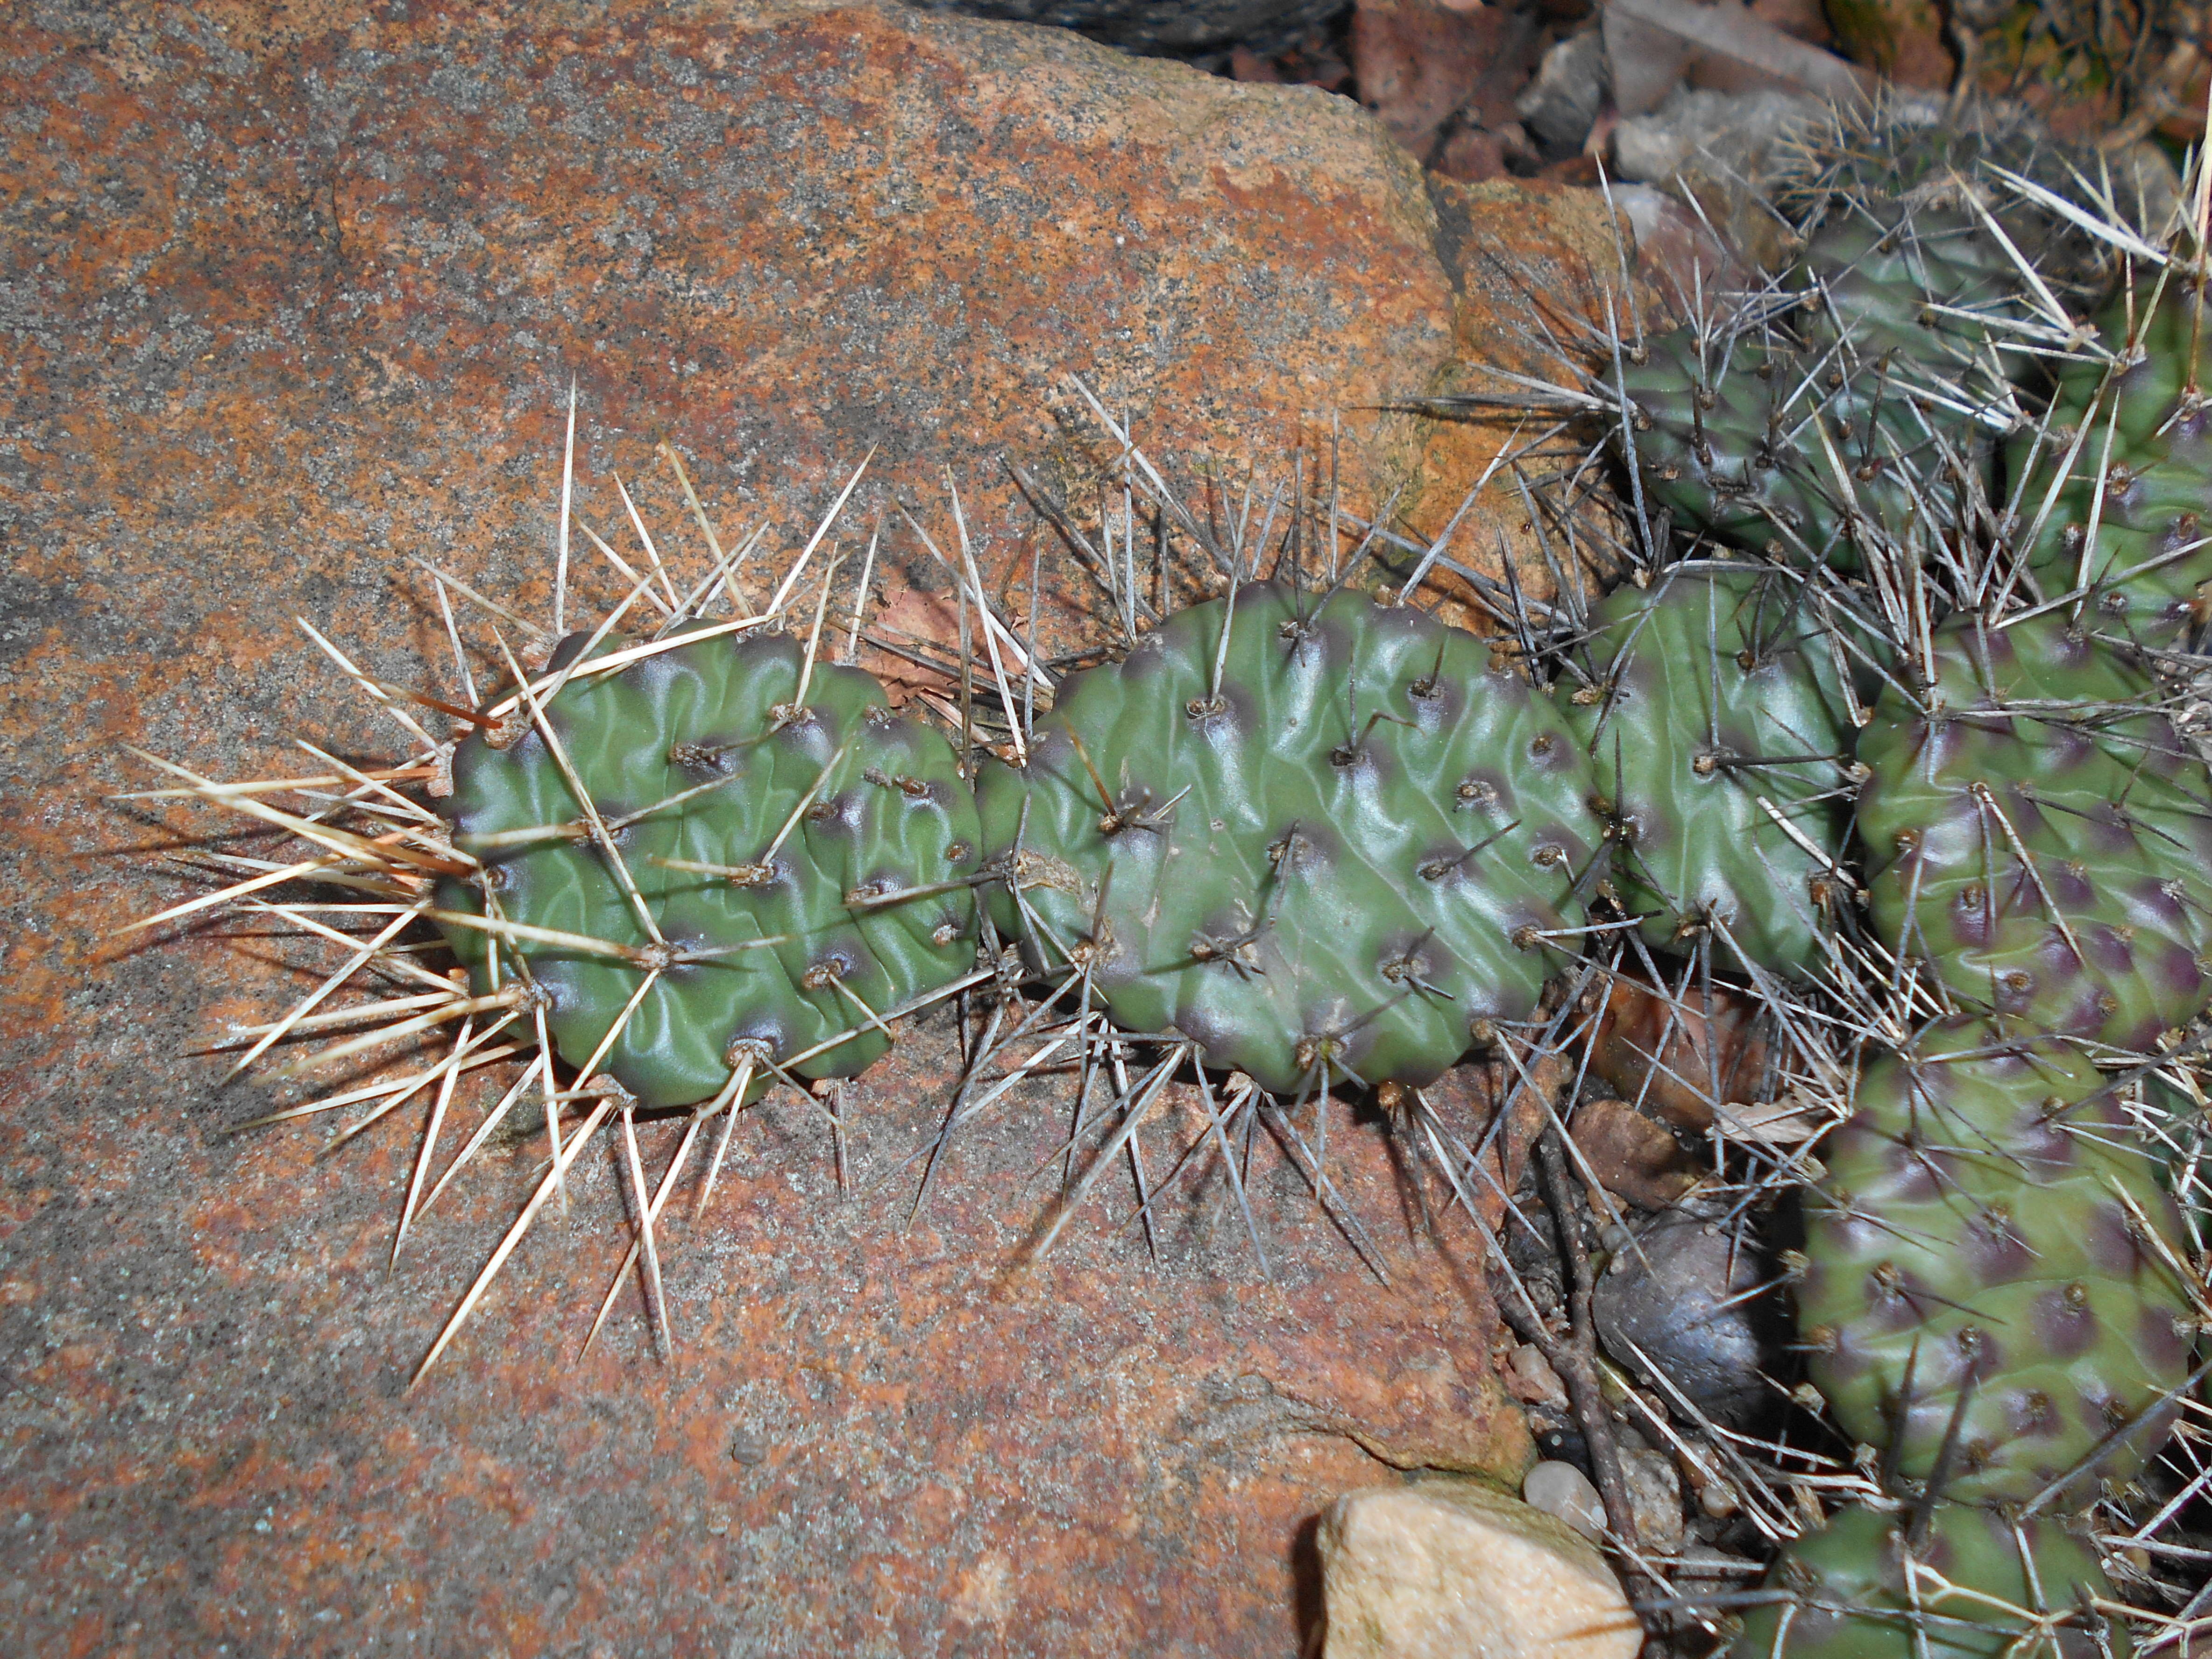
x=293 y=292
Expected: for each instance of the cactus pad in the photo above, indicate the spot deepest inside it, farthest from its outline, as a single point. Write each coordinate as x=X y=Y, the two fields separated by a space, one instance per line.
x=712 y=754
x=1984 y=1588
x=1320 y=838
x=1984 y=1247
x=1714 y=709
x=1870 y=407
x=2040 y=836
x=2144 y=429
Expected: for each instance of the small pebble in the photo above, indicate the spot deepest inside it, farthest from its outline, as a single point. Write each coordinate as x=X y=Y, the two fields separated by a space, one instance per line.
x=1564 y=1491
x=1531 y=1379
x=1717 y=1497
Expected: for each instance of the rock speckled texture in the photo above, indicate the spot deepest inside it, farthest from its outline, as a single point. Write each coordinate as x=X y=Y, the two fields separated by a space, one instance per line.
x=291 y=293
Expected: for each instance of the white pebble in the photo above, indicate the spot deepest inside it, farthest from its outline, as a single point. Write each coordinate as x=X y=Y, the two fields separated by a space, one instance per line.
x=1563 y=1490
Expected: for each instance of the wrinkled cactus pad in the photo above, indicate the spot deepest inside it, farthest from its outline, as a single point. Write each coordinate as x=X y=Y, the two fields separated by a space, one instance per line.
x=1992 y=1242
x=1714 y=708
x=1321 y=837
x=1984 y=1588
x=815 y=813
x=2039 y=836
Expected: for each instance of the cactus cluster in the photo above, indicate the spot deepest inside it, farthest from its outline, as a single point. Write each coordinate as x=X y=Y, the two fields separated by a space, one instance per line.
x=1998 y=1299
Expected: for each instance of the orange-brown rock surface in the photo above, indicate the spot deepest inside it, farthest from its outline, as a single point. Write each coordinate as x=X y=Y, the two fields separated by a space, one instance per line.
x=294 y=292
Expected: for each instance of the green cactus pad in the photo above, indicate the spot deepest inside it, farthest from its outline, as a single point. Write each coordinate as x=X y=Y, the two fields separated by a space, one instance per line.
x=1925 y=289
x=881 y=809
x=1350 y=855
x=1984 y=1232
x=1698 y=700
x=1886 y=392
x=2146 y=430
x=1985 y=1588
x=2040 y=838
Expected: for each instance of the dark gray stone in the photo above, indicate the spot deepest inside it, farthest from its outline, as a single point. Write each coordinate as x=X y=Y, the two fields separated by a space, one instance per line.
x=1658 y=1297
x=1561 y=104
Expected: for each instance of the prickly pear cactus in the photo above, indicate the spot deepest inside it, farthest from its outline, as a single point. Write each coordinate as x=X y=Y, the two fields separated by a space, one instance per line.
x=1715 y=708
x=2120 y=478
x=1981 y=1586
x=738 y=832
x=1994 y=1263
x=1320 y=838
x=2037 y=835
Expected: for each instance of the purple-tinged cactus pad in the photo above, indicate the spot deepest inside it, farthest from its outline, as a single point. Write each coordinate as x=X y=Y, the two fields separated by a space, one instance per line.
x=1993 y=1232
x=2039 y=836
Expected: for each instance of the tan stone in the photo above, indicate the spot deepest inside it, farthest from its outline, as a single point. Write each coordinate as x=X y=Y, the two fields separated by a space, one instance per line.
x=1456 y=1571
